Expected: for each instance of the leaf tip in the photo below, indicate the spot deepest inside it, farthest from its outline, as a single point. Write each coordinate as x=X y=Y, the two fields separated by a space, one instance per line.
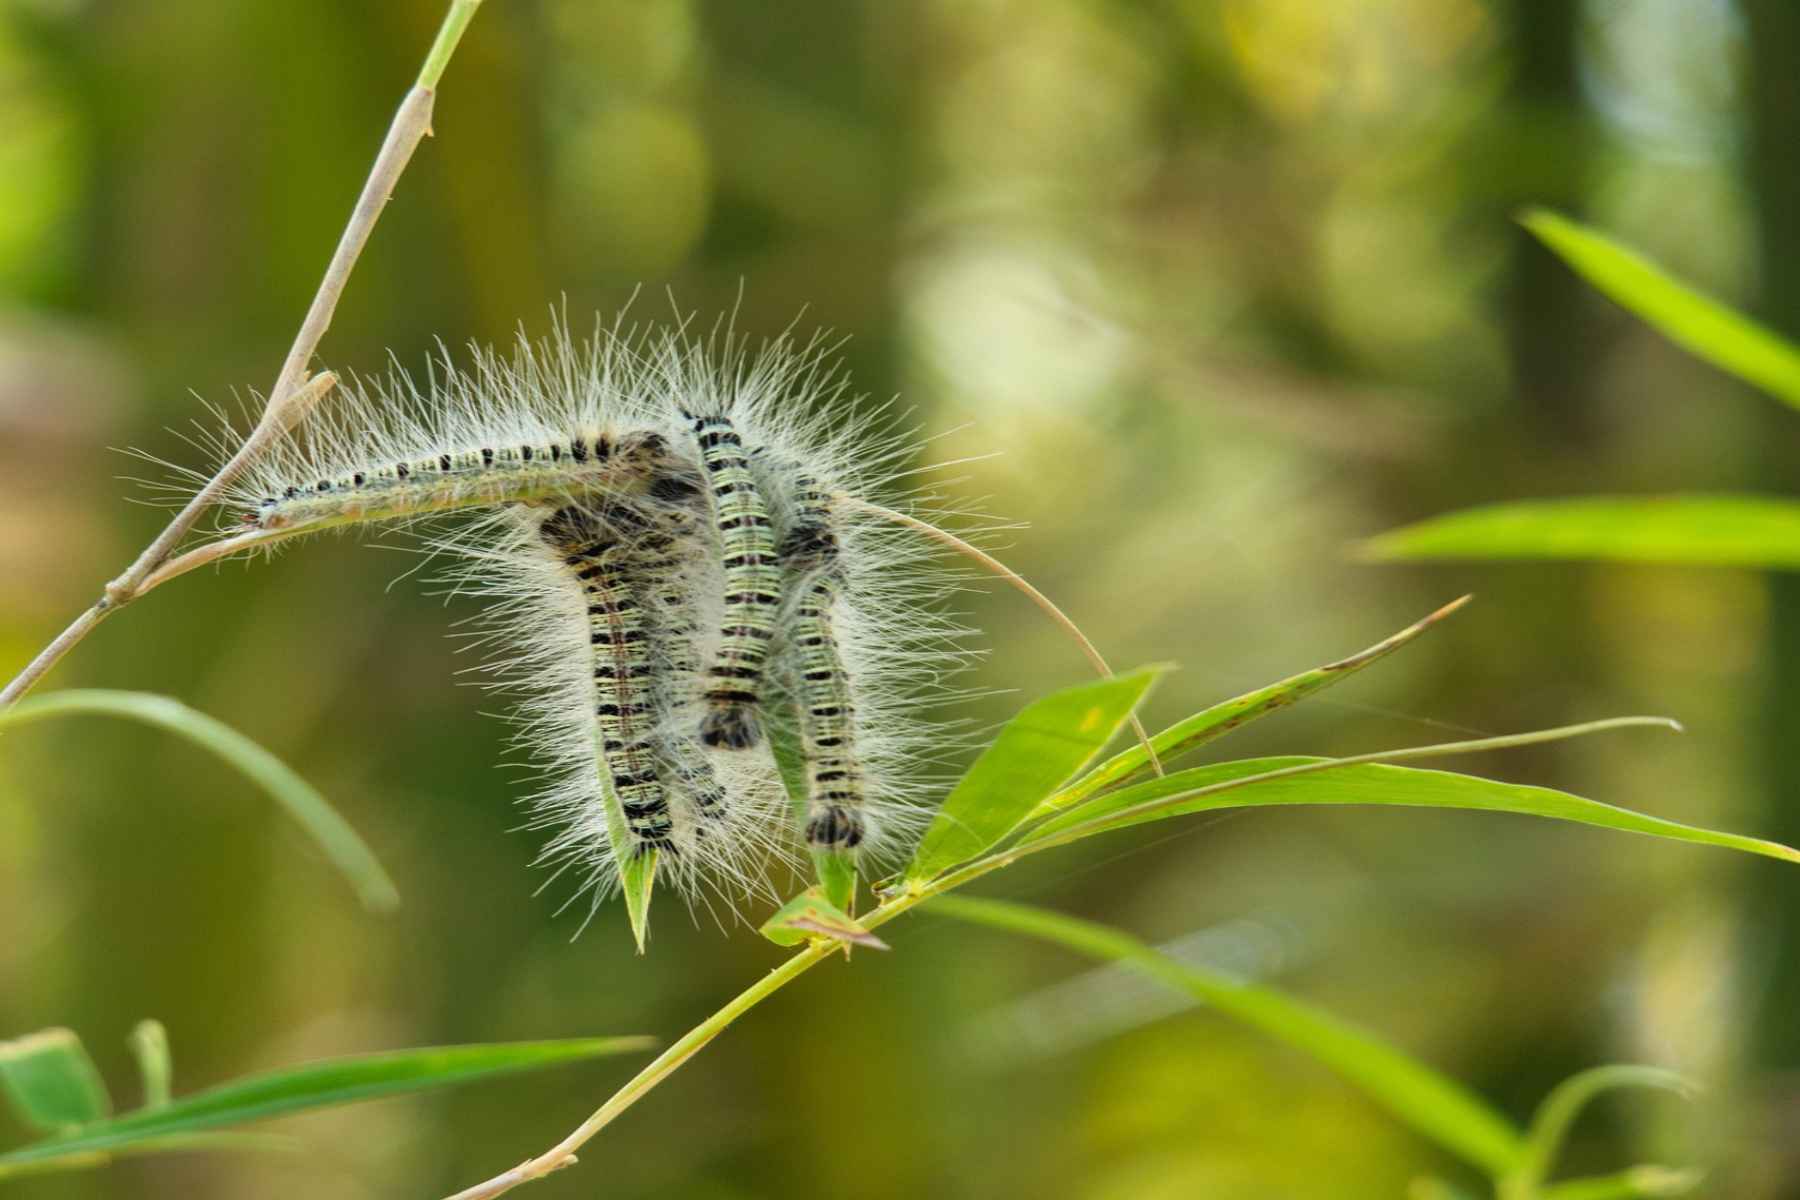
x=378 y=893
x=1383 y=547
x=638 y=879
x=1536 y=217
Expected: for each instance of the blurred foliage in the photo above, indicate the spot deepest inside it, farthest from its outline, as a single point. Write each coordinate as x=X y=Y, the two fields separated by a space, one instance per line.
x=1232 y=283
x=53 y=1086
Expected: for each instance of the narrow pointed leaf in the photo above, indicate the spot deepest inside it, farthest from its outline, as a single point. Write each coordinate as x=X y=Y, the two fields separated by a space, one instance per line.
x=1221 y=719
x=1680 y=530
x=1038 y=751
x=321 y=1084
x=51 y=1082
x=1432 y=1103
x=1703 y=326
x=304 y=804
x=637 y=879
x=1268 y=782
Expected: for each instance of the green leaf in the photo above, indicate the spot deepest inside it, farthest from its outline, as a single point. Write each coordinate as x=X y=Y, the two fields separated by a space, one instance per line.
x=811 y=915
x=305 y=805
x=1680 y=530
x=51 y=1082
x=1691 y=319
x=318 y=1085
x=1221 y=719
x=637 y=878
x=1037 y=751
x=1637 y=1183
x=175 y=1143
x=1433 y=1104
x=1550 y=1125
x=836 y=873
x=1267 y=782
x=149 y=1044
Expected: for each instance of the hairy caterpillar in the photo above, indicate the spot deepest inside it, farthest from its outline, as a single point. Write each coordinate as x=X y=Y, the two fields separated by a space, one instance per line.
x=681 y=580
x=752 y=585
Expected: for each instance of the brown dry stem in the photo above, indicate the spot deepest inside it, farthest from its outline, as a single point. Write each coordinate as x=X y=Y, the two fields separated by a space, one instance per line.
x=293 y=395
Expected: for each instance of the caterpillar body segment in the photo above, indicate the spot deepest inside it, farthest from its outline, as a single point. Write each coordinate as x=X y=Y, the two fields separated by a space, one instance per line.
x=582 y=463
x=665 y=561
x=835 y=811
x=624 y=706
x=752 y=586
x=809 y=554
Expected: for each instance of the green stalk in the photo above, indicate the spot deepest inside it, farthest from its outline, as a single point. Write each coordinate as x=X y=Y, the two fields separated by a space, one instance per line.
x=449 y=34
x=897 y=904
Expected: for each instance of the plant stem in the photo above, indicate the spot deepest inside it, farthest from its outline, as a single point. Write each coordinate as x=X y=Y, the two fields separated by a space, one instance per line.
x=449 y=34
x=563 y=1153
x=995 y=566
x=898 y=904
x=286 y=403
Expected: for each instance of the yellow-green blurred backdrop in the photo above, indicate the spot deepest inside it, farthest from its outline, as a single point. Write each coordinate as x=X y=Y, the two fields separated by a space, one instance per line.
x=1228 y=283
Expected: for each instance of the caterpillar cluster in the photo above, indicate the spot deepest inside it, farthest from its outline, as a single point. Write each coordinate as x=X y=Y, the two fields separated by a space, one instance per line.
x=684 y=576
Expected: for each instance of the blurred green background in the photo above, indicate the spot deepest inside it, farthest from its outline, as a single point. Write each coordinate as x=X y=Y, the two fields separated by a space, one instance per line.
x=1230 y=283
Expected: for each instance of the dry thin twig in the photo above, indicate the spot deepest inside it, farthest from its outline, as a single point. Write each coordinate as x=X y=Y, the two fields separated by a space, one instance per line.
x=293 y=395
x=994 y=565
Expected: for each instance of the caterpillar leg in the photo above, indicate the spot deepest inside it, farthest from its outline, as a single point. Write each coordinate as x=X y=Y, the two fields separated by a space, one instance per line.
x=752 y=587
x=624 y=706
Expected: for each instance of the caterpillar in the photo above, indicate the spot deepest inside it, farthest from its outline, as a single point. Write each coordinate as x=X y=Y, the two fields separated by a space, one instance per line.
x=678 y=577
x=597 y=557
x=826 y=709
x=752 y=585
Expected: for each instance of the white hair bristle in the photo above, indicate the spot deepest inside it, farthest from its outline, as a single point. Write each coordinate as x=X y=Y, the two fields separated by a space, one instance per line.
x=687 y=519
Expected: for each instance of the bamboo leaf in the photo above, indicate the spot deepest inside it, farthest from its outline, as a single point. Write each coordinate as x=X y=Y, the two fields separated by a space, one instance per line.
x=1037 y=751
x=637 y=879
x=318 y=1085
x=1705 y=327
x=1682 y=530
x=304 y=804
x=1269 y=782
x=51 y=1082
x=1432 y=1103
x=1223 y=718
